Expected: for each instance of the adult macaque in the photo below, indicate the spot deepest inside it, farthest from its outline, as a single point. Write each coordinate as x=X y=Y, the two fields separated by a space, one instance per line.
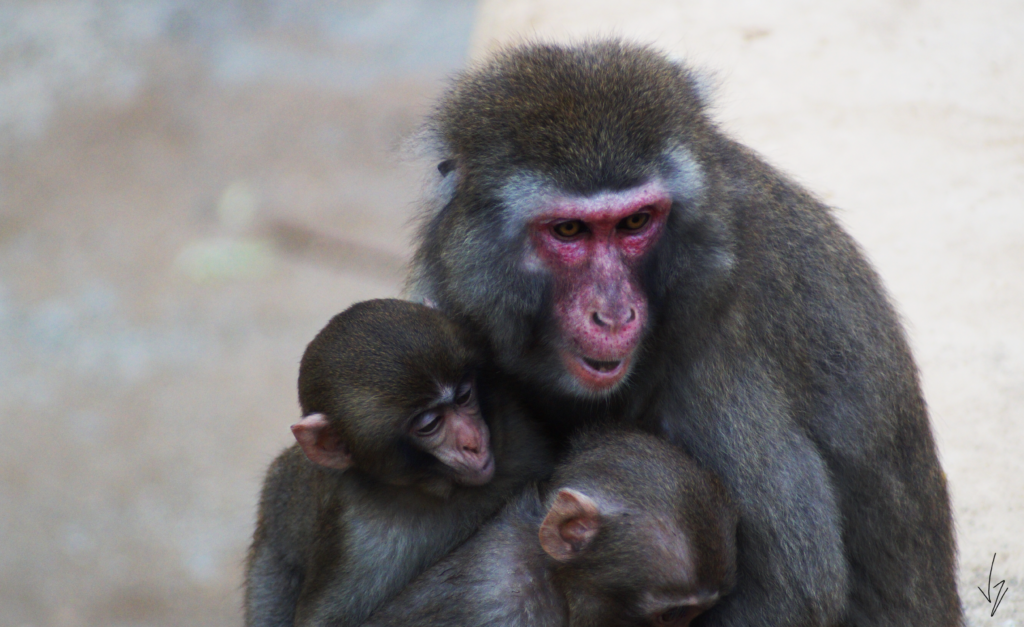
x=400 y=457
x=630 y=532
x=626 y=259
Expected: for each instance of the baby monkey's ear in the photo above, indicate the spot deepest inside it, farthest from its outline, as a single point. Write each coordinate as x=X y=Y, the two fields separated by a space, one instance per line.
x=571 y=525
x=321 y=443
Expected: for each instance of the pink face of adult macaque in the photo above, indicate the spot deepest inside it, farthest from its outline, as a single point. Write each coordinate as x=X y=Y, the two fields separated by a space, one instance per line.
x=451 y=429
x=593 y=246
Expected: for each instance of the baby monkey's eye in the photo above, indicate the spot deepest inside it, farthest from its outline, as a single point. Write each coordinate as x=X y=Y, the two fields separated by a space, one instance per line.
x=427 y=423
x=635 y=222
x=464 y=394
x=676 y=616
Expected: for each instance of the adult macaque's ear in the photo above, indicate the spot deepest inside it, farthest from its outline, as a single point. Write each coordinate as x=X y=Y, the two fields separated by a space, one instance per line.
x=321 y=443
x=571 y=524
x=446 y=166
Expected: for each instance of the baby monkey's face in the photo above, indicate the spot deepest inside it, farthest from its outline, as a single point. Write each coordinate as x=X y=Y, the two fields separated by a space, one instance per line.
x=438 y=442
x=452 y=430
x=390 y=390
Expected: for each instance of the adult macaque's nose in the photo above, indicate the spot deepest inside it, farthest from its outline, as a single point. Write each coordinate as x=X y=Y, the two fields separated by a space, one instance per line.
x=614 y=321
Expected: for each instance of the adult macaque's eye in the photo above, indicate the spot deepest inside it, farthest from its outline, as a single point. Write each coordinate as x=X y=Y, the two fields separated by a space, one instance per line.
x=572 y=228
x=427 y=423
x=635 y=222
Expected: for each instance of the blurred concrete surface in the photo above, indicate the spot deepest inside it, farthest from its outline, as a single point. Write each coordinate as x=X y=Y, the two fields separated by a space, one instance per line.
x=188 y=191
x=908 y=117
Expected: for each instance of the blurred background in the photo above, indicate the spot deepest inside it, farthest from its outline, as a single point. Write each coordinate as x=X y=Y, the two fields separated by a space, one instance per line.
x=189 y=190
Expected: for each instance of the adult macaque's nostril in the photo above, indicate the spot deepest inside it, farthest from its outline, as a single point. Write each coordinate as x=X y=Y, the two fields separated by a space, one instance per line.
x=613 y=321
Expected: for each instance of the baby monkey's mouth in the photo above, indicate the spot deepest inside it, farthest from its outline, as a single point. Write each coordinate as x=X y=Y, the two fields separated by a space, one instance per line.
x=602 y=366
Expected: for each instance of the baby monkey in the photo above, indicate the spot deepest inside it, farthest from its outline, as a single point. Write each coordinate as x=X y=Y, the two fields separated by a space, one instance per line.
x=400 y=456
x=630 y=532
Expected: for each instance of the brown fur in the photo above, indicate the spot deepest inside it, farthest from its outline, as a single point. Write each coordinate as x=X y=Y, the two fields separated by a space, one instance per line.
x=656 y=508
x=772 y=352
x=331 y=545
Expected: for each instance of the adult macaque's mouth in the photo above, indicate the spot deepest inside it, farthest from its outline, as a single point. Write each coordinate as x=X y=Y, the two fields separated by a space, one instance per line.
x=602 y=366
x=597 y=375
